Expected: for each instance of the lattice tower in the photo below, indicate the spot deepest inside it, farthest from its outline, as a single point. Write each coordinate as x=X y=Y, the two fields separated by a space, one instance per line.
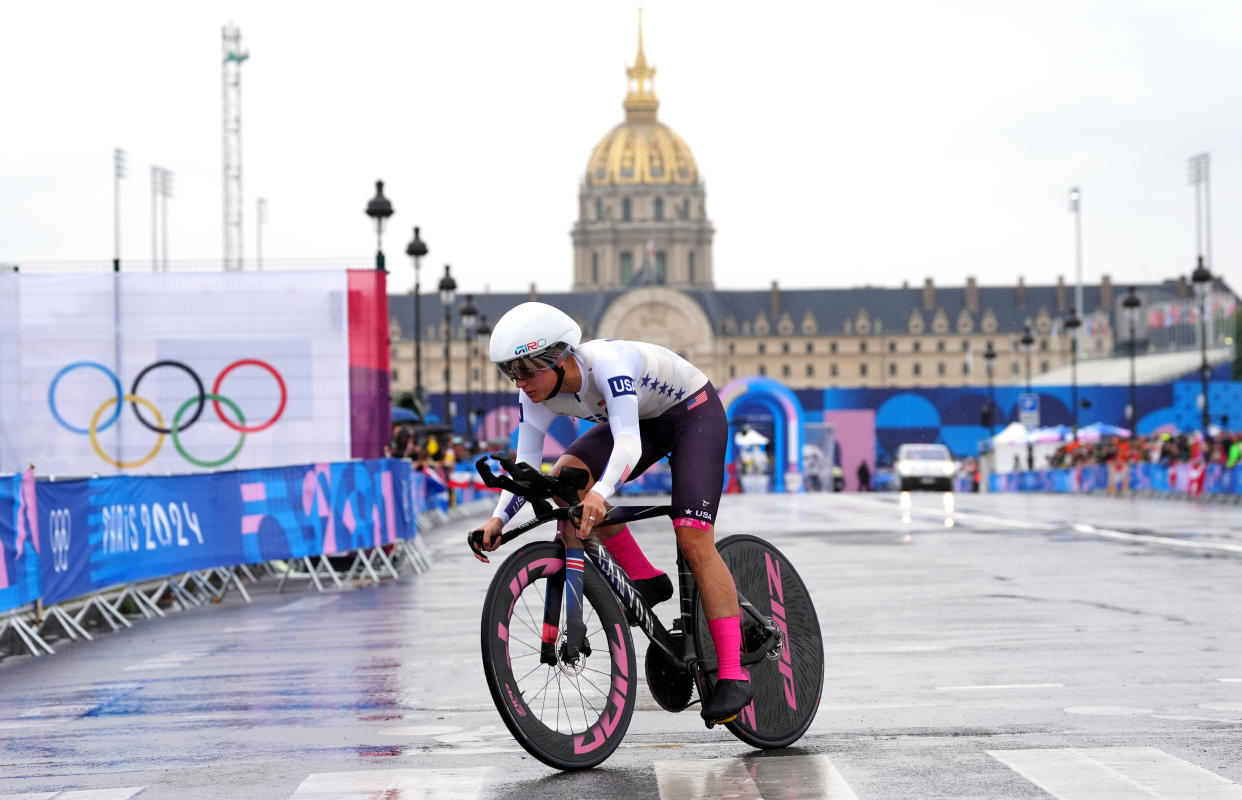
x=234 y=56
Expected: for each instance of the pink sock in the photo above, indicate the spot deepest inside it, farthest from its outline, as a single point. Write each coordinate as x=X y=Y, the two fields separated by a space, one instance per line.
x=727 y=636
x=630 y=556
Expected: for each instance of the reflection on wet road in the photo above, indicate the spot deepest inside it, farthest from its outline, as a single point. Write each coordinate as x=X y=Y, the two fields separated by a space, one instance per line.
x=977 y=646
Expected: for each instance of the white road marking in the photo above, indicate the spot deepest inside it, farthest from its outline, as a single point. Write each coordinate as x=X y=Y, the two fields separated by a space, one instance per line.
x=257 y=626
x=1104 y=533
x=1118 y=773
x=1161 y=540
x=307 y=603
x=787 y=777
x=1230 y=680
x=176 y=658
x=122 y=793
x=1109 y=711
x=1000 y=686
x=408 y=784
x=1221 y=706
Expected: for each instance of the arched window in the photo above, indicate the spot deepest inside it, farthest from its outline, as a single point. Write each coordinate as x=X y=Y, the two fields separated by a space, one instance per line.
x=594 y=267
x=626 y=210
x=599 y=209
x=659 y=208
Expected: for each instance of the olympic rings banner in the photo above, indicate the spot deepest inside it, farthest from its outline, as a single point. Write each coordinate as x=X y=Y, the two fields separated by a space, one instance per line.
x=65 y=539
x=159 y=373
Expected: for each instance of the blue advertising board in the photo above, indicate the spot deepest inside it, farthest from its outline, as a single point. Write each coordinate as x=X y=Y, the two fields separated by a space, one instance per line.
x=85 y=535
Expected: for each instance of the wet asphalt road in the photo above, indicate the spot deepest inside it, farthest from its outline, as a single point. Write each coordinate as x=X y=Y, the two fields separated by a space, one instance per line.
x=978 y=646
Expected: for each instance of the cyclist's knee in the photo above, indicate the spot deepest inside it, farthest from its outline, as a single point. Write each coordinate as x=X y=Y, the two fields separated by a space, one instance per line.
x=567 y=460
x=696 y=542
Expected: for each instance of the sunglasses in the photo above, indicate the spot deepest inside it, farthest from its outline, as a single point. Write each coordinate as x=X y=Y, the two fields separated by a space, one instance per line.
x=524 y=369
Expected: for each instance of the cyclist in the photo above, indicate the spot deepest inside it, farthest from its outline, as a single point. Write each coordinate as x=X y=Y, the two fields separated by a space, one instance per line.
x=655 y=403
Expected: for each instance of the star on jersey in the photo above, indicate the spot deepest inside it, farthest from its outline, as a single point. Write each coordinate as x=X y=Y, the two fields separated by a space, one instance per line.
x=680 y=394
x=646 y=380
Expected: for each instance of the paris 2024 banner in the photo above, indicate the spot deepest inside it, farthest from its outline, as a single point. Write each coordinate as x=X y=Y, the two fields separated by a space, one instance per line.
x=159 y=373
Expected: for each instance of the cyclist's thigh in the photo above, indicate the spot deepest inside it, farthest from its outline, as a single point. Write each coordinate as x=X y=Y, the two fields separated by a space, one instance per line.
x=594 y=447
x=697 y=463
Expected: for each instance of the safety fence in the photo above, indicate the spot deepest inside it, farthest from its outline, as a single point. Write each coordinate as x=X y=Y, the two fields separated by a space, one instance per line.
x=112 y=549
x=1185 y=479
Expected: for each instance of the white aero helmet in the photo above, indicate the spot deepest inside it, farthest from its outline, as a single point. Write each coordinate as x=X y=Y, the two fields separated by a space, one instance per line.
x=531 y=338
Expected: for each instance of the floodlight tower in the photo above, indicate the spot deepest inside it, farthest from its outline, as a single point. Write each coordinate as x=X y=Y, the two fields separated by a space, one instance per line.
x=234 y=55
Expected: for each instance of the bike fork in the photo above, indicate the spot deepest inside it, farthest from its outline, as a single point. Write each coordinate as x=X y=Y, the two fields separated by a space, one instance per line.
x=571 y=579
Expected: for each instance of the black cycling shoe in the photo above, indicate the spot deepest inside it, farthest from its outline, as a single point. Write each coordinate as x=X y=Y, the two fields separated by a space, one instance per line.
x=729 y=697
x=653 y=590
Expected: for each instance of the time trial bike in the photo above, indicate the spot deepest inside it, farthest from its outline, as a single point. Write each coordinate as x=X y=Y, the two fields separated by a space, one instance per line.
x=557 y=650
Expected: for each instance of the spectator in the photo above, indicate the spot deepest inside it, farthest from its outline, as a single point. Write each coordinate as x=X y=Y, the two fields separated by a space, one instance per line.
x=864 y=476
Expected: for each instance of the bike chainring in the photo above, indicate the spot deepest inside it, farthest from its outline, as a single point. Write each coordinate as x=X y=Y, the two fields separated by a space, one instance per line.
x=671 y=686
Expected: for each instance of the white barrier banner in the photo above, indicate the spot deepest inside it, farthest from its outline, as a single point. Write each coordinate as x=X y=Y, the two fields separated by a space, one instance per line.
x=137 y=373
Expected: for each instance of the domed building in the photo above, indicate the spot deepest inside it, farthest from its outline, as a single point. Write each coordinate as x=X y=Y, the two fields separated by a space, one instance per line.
x=642 y=209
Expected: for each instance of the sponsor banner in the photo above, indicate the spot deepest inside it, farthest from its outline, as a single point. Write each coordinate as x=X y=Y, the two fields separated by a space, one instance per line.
x=19 y=541
x=92 y=534
x=369 y=391
x=145 y=373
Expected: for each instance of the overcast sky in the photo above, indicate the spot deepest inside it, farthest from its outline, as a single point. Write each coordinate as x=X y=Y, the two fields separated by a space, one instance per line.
x=840 y=143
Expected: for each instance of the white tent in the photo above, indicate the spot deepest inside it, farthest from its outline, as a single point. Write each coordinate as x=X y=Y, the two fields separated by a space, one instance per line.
x=1010 y=447
x=1013 y=434
x=750 y=437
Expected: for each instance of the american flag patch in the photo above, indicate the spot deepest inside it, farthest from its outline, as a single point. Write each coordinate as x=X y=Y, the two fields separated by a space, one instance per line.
x=574 y=563
x=701 y=397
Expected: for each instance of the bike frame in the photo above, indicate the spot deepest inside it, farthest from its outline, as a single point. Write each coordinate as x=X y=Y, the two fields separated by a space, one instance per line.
x=685 y=655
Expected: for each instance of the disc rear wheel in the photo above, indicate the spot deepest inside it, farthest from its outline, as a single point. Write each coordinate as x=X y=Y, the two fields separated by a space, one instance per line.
x=789 y=680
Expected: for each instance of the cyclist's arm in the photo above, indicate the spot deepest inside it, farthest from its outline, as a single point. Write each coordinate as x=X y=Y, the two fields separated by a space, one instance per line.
x=533 y=423
x=614 y=375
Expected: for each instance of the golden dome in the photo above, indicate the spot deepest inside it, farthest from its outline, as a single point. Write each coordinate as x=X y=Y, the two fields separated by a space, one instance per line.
x=641 y=150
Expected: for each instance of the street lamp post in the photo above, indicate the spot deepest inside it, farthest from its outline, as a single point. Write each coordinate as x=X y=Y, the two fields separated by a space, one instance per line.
x=379 y=209
x=1131 y=305
x=1075 y=206
x=469 y=319
x=989 y=356
x=1072 y=323
x=484 y=333
x=448 y=290
x=416 y=249
x=1202 y=280
x=1028 y=341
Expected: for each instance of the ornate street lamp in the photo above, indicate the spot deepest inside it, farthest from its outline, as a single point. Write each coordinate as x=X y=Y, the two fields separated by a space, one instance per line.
x=469 y=319
x=1028 y=340
x=1072 y=324
x=989 y=355
x=379 y=209
x=1131 y=305
x=484 y=332
x=1202 y=280
x=448 y=291
x=416 y=249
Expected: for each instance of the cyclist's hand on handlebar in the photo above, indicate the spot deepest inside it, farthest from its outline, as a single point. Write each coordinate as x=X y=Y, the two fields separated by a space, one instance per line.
x=491 y=538
x=594 y=507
